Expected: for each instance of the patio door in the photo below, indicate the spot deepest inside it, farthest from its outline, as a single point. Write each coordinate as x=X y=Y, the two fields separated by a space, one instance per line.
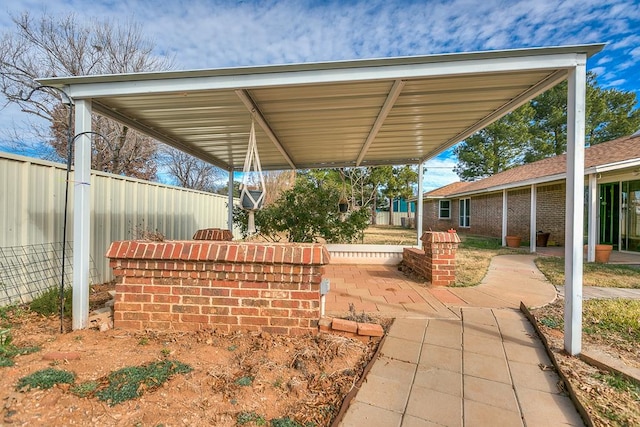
x=610 y=214
x=630 y=220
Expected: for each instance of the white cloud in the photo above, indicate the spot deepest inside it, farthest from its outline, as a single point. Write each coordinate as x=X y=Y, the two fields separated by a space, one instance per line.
x=221 y=33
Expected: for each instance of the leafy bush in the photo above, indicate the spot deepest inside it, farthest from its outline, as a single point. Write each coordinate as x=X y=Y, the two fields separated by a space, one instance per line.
x=306 y=213
x=48 y=302
x=45 y=378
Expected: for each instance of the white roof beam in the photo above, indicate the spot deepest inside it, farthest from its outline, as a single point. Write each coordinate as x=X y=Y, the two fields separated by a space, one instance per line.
x=135 y=84
x=253 y=108
x=392 y=97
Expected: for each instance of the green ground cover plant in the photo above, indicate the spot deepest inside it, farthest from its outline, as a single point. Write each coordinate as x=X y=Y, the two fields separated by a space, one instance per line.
x=45 y=378
x=130 y=382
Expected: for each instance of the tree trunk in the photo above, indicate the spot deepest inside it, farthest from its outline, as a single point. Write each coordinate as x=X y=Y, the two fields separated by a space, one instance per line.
x=374 y=213
x=390 y=210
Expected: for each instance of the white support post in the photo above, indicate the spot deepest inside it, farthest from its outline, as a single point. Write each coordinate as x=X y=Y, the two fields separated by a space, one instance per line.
x=573 y=262
x=419 y=207
x=81 y=214
x=504 y=217
x=592 y=238
x=230 y=202
x=532 y=219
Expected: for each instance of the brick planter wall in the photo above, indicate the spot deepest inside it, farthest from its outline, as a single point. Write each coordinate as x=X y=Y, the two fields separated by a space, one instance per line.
x=437 y=262
x=187 y=285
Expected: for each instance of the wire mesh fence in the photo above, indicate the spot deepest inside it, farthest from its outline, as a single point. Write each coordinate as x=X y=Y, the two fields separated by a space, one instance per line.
x=27 y=271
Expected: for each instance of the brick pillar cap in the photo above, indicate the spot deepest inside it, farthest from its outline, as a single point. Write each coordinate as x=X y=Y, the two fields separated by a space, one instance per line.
x=440 y=237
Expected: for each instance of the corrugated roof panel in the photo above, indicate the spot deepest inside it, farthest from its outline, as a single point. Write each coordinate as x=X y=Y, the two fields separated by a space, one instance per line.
x=413 y=107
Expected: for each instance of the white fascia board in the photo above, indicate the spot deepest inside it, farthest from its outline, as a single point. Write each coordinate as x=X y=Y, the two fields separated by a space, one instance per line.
x=111 y=87
x=625 y=164
x=533 y=181
x=630 y=163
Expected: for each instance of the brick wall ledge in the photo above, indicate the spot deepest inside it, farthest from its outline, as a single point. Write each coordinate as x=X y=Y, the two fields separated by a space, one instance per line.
x=220 y=251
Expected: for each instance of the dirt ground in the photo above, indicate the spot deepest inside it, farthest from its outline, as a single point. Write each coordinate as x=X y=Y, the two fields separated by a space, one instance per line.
x=607 y=405
x=237 y=379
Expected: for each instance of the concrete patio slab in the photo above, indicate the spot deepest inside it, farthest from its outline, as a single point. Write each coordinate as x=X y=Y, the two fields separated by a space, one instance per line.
x=455 y=364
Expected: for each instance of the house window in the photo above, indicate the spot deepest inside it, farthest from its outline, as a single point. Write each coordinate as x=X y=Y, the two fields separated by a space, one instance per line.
x=464 y=212
x=444 y=211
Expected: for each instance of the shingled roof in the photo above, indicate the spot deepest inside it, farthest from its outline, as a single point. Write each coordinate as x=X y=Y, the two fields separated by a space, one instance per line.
x=615 y=154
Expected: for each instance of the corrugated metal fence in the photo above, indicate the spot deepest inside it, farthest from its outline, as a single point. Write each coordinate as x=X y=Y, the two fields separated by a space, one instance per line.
x=382 y=218
x=32 y=208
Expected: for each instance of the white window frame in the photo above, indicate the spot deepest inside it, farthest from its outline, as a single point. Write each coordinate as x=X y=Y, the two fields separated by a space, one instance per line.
x=440 y=209
x=464 y=217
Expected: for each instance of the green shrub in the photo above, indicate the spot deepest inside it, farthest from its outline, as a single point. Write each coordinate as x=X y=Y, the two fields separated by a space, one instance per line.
x=48 y=302
x=307 y=213
x=45 y=378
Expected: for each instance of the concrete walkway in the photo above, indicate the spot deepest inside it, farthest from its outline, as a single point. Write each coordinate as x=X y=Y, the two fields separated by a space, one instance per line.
x=470 y=358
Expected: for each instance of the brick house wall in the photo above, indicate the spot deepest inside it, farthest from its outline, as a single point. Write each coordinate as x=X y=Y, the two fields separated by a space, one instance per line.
x=430 y=215
x=486 y=213
x=551 y=212
x=518 y=213
x=192 y=285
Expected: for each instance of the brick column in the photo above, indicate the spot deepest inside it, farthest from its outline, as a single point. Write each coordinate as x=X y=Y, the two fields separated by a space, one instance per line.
x=191 y=285
x=437 y=261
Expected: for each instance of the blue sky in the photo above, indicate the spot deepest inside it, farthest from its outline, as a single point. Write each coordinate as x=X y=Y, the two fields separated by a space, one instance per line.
x=211 y=34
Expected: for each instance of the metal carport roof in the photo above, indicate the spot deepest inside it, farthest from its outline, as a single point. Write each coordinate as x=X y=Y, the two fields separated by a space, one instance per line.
x=350 y=113
x=333 y=114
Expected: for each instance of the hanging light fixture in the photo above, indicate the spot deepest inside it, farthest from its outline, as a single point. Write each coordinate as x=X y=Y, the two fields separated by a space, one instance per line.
x=252 y=188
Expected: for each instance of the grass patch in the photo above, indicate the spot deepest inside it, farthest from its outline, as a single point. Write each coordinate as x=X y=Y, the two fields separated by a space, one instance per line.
x=616 y=316
x=45 y=378
x=604 y=275
x=48 y=302
x=9 y=313
x=389 y=235
x=130 y=382
x=8 y=351
x=621 y=384
x=476 y=242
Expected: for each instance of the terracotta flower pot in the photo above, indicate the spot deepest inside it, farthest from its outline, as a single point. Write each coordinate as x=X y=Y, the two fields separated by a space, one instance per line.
x=603 y=252
x=513 y=241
